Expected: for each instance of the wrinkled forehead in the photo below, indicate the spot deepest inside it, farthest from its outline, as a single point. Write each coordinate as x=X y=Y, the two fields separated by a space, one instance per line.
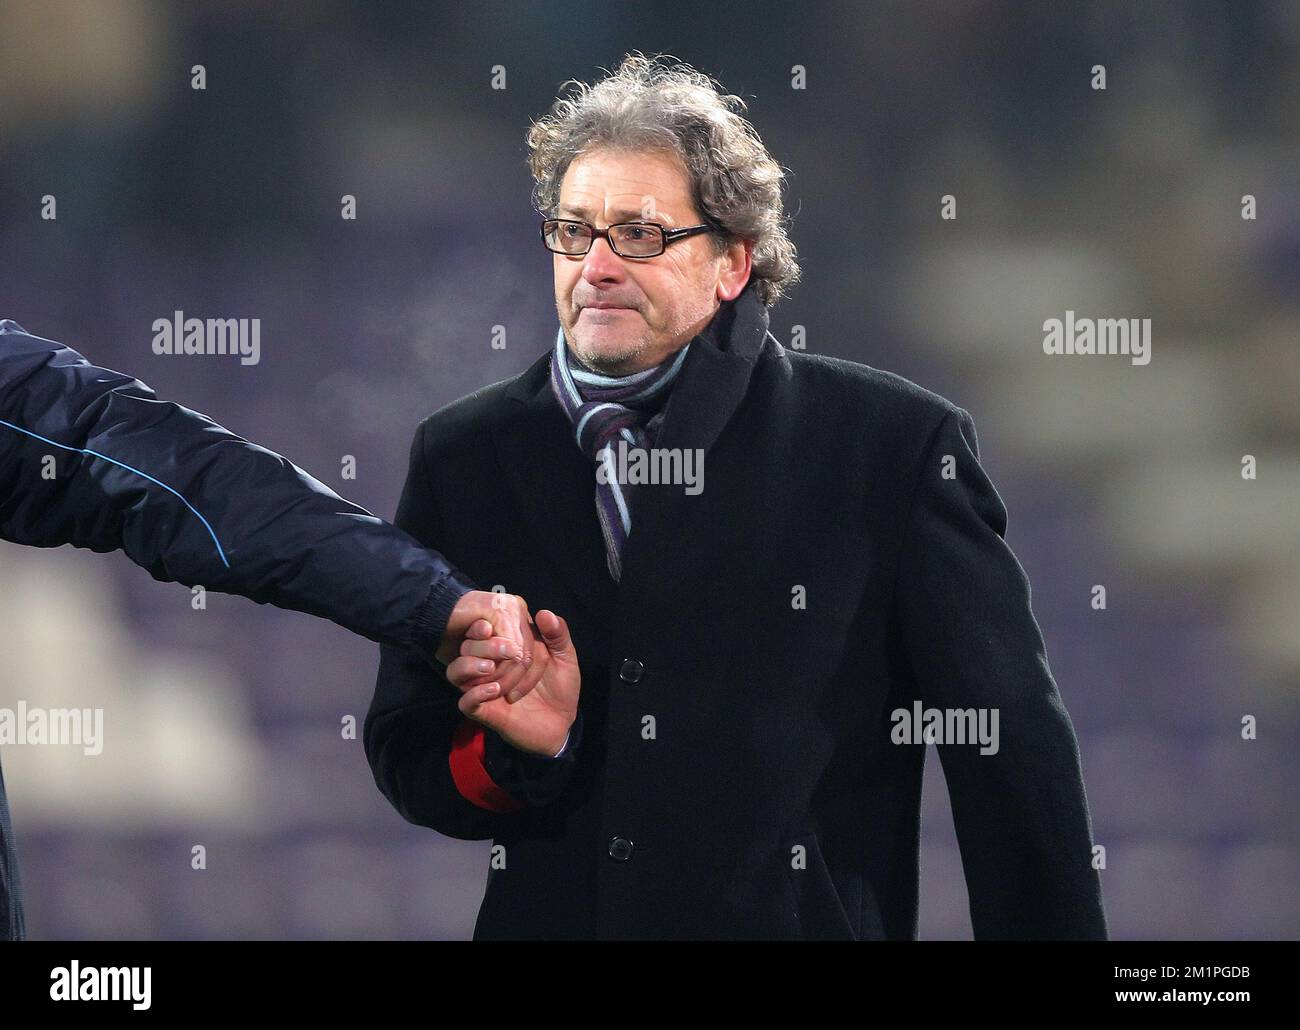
x=622 y=186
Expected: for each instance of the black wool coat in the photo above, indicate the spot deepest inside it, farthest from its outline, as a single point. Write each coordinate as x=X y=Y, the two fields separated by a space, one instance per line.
x=736 y=775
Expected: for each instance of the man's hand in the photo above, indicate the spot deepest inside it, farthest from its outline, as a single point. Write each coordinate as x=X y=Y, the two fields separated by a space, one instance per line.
x=534 y=715
x=509 y=626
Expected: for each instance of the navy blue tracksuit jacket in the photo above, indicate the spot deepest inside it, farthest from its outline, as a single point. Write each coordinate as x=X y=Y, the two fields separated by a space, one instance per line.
x=195 y=504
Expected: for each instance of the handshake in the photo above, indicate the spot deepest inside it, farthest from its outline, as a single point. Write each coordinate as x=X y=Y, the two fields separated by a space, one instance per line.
x=521 y=684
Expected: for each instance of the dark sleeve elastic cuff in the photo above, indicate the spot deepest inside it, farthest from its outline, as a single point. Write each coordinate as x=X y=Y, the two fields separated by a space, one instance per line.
x=429 y=623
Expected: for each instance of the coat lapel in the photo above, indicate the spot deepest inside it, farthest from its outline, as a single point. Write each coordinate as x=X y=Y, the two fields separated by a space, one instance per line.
x=710 y=387
x=554 y=485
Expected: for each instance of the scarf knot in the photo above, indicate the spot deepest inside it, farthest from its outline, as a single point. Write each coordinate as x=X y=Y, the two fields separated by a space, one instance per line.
x=604 y=410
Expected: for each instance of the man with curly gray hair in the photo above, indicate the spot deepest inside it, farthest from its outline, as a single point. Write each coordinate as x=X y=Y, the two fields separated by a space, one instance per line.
x=656 y=145
x=724 y=735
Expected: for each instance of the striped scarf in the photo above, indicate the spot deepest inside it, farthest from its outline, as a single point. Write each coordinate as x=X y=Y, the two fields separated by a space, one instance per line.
x=602 y=410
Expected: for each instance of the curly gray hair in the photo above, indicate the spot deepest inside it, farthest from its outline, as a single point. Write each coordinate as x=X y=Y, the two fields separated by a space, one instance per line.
x=675 y=109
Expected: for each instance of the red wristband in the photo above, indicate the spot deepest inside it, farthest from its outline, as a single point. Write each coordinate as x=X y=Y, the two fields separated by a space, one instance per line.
x=470 y=775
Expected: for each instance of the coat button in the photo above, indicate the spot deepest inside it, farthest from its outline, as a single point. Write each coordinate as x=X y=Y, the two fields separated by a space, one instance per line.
x=620 y=849
x=631 y=671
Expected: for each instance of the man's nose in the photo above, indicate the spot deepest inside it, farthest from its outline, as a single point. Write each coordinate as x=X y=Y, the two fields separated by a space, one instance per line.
x=601 y=263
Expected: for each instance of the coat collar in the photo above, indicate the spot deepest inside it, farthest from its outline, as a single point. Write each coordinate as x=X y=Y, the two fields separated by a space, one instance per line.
x=554 y=483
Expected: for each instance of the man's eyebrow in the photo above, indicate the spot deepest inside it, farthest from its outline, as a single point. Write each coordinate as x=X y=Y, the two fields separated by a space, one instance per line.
x=622 y=214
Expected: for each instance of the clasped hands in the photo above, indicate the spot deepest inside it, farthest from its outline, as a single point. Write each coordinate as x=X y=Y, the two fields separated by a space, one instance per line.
x=522 y=684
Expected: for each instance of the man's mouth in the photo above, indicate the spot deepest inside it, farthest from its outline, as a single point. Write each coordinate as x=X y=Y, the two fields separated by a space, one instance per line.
x=604 y=313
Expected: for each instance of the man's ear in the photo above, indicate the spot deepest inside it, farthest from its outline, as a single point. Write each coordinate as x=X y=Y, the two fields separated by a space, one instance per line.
x=738 y=263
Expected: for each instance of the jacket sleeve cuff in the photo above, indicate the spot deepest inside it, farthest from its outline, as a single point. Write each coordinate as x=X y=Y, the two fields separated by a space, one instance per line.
x=429 y=623
x=536 y=779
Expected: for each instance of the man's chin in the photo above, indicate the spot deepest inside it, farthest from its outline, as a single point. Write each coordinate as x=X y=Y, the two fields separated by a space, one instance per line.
x=607 y=358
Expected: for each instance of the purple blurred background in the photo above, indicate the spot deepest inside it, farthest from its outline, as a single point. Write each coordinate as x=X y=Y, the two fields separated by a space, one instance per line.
x=223 y=726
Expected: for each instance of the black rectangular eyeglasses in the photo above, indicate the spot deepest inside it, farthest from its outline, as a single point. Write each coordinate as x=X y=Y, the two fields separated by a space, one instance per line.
x=573 y=238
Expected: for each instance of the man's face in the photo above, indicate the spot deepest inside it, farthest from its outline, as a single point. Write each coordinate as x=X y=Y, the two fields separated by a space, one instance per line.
x=661 y=302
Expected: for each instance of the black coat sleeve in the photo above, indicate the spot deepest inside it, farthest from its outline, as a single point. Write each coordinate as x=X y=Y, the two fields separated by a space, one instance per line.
x=534 y=779
x=414 y=716
x=963 y=609
x=91 y=457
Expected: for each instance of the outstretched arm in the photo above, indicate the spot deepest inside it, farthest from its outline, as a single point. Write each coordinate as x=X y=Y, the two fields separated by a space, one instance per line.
x=93 y=458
